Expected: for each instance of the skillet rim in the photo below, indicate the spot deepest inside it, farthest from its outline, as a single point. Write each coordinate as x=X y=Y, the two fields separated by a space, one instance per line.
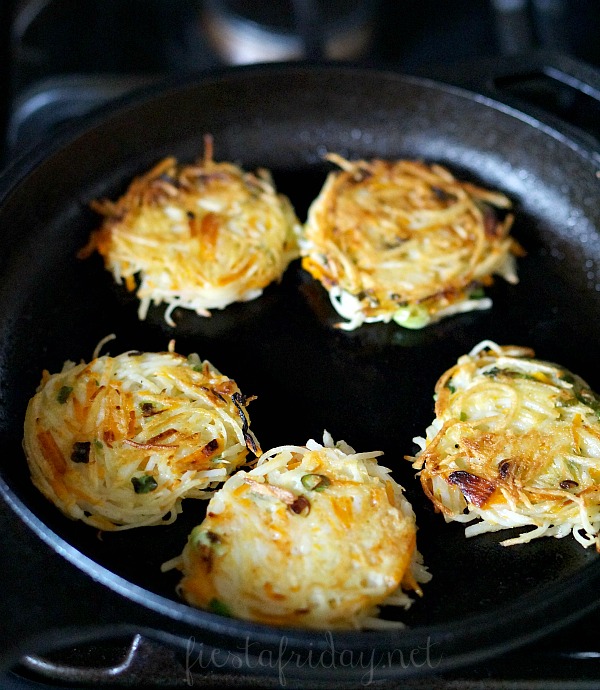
x=16 y=174
x=23 y=163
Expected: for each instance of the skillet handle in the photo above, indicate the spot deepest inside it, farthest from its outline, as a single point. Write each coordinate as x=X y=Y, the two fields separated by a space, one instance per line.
x=47 y=603
x=51 y=611
x=551 y=87
x=152 y=660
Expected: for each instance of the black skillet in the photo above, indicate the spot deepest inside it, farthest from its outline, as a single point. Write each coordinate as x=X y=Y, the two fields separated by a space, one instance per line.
x=372 y=387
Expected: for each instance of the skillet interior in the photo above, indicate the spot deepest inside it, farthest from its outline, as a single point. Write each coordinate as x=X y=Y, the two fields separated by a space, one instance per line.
x=372 y=387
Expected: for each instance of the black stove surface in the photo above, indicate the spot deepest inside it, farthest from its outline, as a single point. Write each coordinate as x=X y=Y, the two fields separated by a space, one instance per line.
x=123 y=45
x=64 y=57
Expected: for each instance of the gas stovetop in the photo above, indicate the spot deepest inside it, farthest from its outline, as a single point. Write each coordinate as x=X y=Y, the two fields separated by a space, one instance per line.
x=64 y=56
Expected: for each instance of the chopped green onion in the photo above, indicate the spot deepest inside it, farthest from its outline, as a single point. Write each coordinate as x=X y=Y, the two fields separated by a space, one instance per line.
x=413 y=316
x=217 y=606
x=301 y=506
x=147 y=409
x=195 y=362
x=81 y=452
x=200 y=537
x=450 y=386
x=463 y=416
x=63 y=394
x=315 y=482
x=144 y=484
x=588 y=398
x=477 y=293
x=568 y=484
x=509 y=373
x=205 y=539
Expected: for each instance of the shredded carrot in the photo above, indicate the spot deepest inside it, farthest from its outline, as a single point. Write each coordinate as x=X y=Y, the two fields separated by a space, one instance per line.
x=389 y=491
x=232 y=277
x=342 y=507
x=52 y=452
x=79 y=410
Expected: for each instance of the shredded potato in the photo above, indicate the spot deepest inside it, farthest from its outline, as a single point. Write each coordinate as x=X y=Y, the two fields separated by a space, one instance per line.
x=119 y=442
x=515 y=442
x=405 y=241
x=196 y=236
x=314 y=536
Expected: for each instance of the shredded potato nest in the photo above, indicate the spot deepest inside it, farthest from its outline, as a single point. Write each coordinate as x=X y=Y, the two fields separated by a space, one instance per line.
x=198 y=236
x=121 y=441
x=406 y=241
x=515 y=442
x=314 y=536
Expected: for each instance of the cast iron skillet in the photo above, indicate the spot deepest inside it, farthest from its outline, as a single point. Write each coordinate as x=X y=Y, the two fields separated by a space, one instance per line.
x=372 y=387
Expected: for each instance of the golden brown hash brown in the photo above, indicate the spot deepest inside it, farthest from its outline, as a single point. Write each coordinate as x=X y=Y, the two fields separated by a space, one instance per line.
x=406 y=241
x=312 y=537
x=515 y=442
x=121 y=441
x=196 y=236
